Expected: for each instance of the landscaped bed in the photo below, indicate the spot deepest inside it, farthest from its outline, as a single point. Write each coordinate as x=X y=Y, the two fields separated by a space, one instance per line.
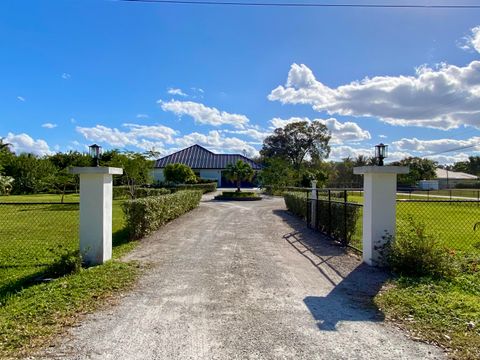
x=238 y=196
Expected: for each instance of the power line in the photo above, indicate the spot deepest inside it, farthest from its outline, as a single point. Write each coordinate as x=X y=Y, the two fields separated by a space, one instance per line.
x=306 y=5
x=452 y=150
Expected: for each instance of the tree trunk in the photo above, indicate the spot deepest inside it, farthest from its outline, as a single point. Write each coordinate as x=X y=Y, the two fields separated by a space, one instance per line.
x=238 y=185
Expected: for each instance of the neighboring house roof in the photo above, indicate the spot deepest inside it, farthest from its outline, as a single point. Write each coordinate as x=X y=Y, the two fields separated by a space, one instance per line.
x=453 y=175
x=198 y=157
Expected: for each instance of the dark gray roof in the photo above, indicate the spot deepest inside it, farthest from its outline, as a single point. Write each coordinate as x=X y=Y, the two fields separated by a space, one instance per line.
x=198 y=157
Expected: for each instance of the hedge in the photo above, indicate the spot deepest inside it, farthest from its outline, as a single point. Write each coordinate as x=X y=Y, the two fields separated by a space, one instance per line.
x=206 y=188
x=337 y=219
x=296 y=203
x=145 y=215
x=123 y=192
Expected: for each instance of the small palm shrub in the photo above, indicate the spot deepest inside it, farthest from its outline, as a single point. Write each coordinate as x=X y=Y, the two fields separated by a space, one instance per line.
x=416 y=252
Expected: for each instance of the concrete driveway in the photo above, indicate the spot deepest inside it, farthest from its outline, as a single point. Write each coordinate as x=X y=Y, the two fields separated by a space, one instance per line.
x=242 y=280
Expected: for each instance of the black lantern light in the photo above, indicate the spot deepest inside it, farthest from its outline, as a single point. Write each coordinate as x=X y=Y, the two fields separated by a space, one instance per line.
x=381 y=152
x=95 y=152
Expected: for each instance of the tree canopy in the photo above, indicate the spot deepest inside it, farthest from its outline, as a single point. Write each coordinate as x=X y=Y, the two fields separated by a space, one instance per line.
x=297 y=140
x=179 y=174
x=420 y=169
x=238 y=172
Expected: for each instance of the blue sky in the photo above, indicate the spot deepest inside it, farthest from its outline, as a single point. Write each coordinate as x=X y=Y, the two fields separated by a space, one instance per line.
x=138 y=75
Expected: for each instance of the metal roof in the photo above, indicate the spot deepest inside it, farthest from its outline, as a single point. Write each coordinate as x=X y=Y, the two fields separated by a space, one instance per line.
x=453 y=175
x=198 y=157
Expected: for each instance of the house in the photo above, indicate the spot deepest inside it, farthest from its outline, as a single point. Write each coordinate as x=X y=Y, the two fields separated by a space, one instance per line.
x=447 y=179
x=204 y=163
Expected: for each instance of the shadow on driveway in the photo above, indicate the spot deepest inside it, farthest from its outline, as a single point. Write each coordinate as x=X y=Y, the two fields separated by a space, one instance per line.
x=354 y=284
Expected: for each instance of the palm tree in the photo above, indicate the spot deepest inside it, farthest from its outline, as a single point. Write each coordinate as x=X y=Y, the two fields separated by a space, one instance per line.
x=238 y=172
x=4 y=145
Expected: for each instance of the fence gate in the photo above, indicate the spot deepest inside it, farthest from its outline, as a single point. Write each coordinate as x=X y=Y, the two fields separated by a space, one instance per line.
x=336 y=216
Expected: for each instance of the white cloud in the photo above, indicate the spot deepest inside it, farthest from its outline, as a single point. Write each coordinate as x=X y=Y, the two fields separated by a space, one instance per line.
x=176 y=91
x=251 y=132
x=66 y=76
x=341 y=132
x=444 y=97
x=214 y=141
x=435 y=146
x=24 y=143
x=49 y=125
x=338 y=153
x=142 y=116
x=21 y=98
x=203 y=114
x=472 y=42
x=136 y=135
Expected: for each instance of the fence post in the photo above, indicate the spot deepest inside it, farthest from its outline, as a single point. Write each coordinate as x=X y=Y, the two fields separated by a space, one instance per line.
x=379 y=207
x=96 y=213
x=313 y=210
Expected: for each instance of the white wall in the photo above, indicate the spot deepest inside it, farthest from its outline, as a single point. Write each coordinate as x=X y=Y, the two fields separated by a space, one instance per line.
x=210 y=174
x=158 y=175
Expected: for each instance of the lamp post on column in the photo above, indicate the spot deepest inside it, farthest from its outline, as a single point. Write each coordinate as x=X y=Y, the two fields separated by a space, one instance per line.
x=95 y=151
x=381 y=152
x=379 y=204
x=96 y=209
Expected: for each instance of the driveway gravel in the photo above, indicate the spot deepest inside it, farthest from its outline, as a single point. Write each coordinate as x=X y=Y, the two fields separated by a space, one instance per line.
x=242 y=280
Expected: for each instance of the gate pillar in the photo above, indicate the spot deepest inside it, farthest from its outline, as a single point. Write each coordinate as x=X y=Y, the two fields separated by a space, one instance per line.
x=379 y=207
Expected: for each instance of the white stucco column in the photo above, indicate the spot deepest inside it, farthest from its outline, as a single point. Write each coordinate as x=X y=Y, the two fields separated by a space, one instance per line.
x=379 y=206
x=313 y=209
x=96 y=213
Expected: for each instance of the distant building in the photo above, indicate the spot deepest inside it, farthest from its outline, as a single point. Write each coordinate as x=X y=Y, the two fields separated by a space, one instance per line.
x=204 y=163
x=446 y=179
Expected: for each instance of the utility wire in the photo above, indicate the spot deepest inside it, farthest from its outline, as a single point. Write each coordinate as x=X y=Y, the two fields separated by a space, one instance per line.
x=451 y=150
x=306 y=5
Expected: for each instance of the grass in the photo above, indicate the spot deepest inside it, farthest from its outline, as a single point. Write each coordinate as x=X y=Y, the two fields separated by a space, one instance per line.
x=451 y=222
x=33 y=316
x=437 y=311
x=33 y=237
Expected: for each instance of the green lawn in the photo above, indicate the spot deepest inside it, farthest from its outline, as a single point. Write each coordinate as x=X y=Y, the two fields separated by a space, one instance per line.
x=451 y=222
x=437 y=310
x=32 y=238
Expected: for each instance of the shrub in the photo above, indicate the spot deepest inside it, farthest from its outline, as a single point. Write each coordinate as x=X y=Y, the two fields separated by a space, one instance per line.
x=330 y=215
x=416 y=252
x=206 y=188
x=145 y=215
x=179 y=174
x=337 y=219
x=296 y=203
x=123 y=192
x=68 y=262
x=471 y=185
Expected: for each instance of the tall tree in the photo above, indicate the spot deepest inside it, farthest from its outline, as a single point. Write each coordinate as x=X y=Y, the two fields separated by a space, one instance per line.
x=297 y=140
x=137 y=169
x=420 y=169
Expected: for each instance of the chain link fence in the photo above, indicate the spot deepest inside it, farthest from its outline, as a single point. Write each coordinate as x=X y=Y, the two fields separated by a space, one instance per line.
x=450 y=221
x=33 y=237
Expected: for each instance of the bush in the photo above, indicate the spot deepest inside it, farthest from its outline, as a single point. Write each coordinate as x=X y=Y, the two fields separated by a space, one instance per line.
x=206 y=188
x=179 y=174
x=145 y=215
x=470 y=185
x=123 y=192
x=330 y=216
x=416 y=252
x=296 y=203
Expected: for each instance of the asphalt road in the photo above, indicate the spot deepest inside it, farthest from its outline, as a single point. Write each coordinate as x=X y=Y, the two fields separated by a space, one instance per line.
x=242 y=280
